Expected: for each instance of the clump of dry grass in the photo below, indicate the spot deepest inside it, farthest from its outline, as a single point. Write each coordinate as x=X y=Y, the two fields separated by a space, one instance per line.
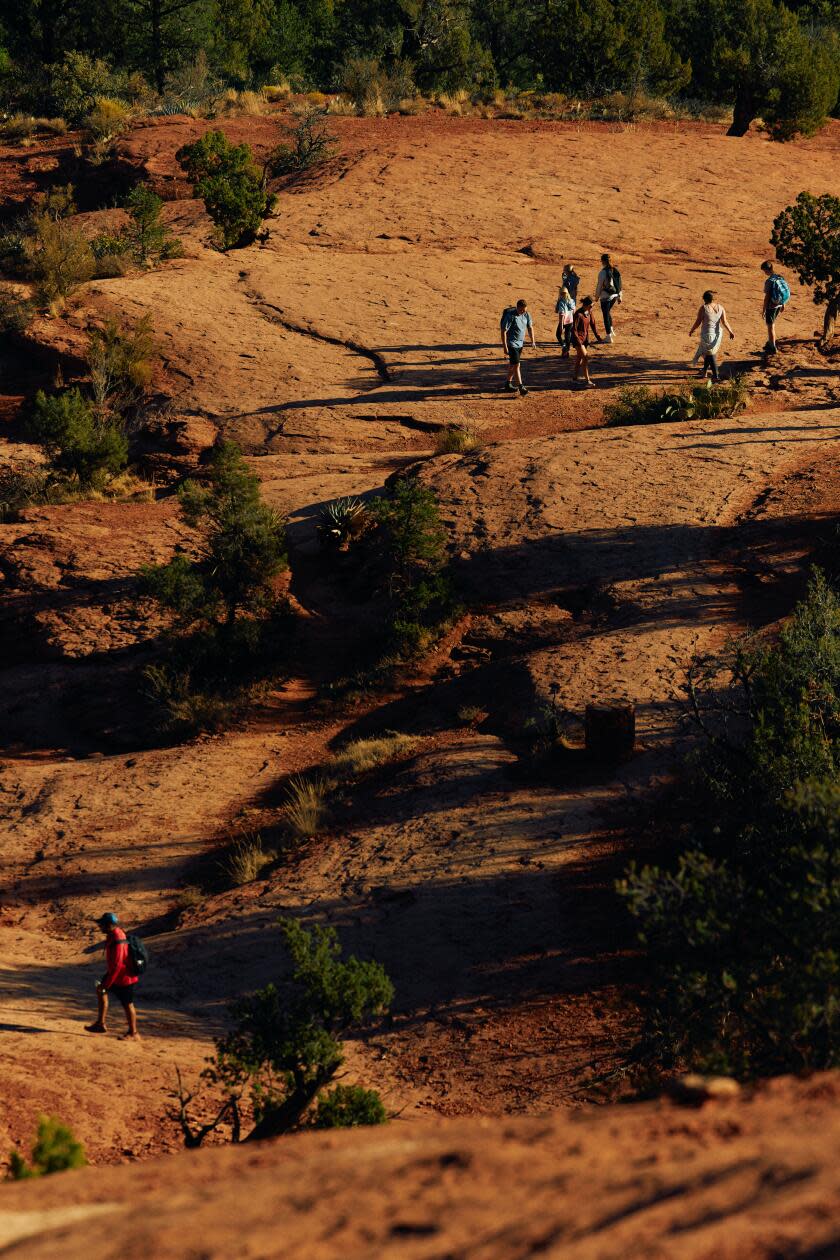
x=245 y=859
x=306 y=806
x=456 y=439
x=361 y=755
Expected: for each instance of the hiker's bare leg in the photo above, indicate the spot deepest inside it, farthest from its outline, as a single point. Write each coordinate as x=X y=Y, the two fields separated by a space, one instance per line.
x=131 y=1020
x=99 y=1024
x=512 y=369
x=517 y=374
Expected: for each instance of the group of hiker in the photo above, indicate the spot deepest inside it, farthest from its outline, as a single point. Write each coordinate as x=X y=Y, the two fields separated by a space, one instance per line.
x=576 y=325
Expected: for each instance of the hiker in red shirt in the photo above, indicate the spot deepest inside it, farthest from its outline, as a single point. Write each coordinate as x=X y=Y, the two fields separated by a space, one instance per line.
x=118 y=980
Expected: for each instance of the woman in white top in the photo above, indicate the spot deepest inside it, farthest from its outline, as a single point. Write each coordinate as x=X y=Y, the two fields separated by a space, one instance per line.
x=711 y=320
x=565 y=308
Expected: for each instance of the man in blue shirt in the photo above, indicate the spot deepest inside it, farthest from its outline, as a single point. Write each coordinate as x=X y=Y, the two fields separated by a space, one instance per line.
x=516 y=325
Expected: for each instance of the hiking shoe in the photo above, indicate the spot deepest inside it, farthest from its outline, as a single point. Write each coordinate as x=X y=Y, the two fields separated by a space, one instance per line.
x=523 y=389
x=510 y=387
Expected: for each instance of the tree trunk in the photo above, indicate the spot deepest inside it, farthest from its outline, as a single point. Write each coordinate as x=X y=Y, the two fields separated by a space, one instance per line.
x=744 y=114
x=832 y=312
x=286 y=1116
x=157 y=45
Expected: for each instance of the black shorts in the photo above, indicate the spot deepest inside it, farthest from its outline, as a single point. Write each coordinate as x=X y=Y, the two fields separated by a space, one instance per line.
x=124 y=993
x=773 y=313
x=515 y=353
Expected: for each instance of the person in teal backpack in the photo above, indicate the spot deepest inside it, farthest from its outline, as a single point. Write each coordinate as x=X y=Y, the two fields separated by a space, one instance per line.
x=776 y=298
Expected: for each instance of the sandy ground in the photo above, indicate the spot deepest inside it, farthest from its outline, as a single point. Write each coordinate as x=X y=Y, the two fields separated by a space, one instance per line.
x=332 y=352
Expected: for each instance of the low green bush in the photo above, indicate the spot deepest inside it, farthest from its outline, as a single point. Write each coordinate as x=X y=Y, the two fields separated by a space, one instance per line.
x=16 y=310
x=233 y=190
x=120 y=360
x=79 y=443
x=286 y=1045
x=742 y=931
x=76 y=82
x=58 y=257
x=147 y=236
x=55 y=1150
x=456 y=439
x=406 y=548
x=228 y=627
x=637 y=404
x=22 y=485
x=241 y=549
x=346 y=1106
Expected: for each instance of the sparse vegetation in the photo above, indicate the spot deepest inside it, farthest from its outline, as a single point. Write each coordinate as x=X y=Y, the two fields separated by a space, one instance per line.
x=58 y=255
x=226 y=619
x=16 y=310
x=120 y=361
x=456 y=439
x=55 y=1150
x=638 y=404
x=742 y=931
x=310 y=144
x=286 y=1043
x=346 y=1106
x=340 y=520
x=228 y=182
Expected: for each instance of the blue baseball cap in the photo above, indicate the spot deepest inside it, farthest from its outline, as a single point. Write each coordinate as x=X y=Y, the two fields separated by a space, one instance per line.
x=108 y=920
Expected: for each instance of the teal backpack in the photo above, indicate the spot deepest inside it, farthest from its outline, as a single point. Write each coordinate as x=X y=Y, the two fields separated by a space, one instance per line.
x=779 y=291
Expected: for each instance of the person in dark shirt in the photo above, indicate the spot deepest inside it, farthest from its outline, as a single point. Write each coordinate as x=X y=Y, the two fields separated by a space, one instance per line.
x=580 y=337
x=118 y=981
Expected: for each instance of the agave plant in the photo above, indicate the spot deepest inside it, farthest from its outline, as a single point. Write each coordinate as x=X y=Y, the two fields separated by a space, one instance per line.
x=339 y=520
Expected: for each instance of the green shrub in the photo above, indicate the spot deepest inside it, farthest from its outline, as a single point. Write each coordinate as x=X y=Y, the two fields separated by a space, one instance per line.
x=182 y=709
x=55 y=1150
x=233 y=191
x=22 y=485
x=16 y=311
x=637 y=404
x=147 y=237
x=310 y=144
x=286 y=1044
x=241 y=549
x=743 y=931
x=107 y=118
x=346 y=1106
x=362 y=80
x=406 y=547
x=373 y=89
x=76 y=82
x=18 y=127
x=58 y=256
x=120 y=360
x=77 y=441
